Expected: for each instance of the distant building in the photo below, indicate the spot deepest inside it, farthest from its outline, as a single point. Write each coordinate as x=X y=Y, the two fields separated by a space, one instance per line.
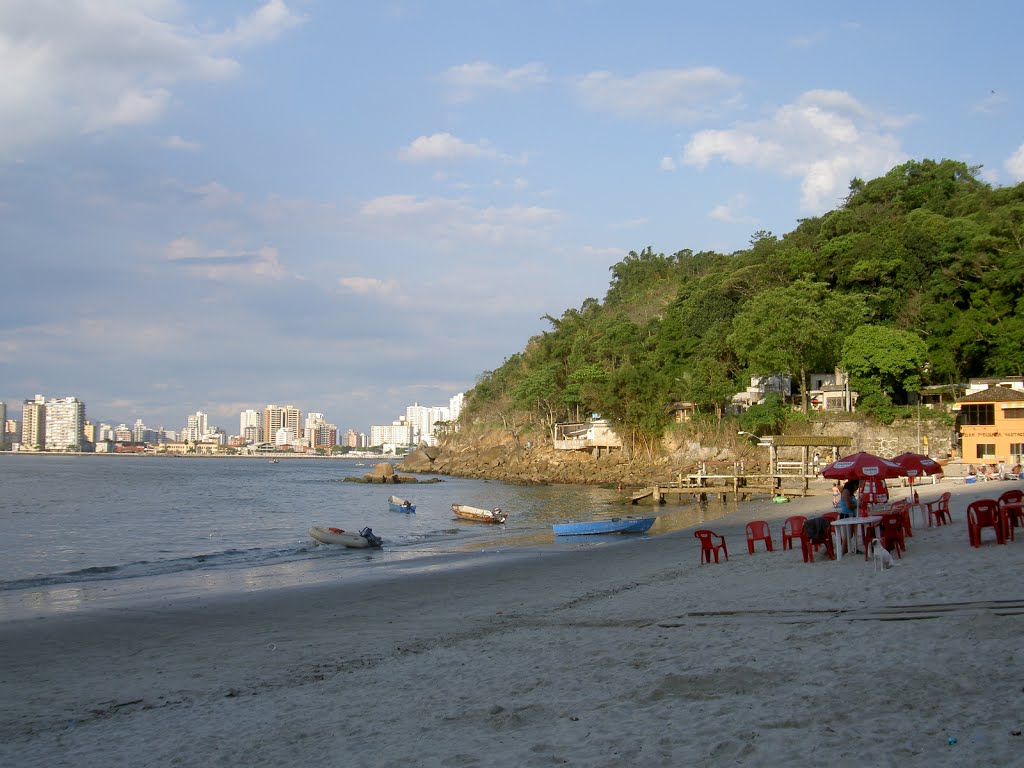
x=397 y=433
x=3 y=424
x=65 y=420
x=250 y=427
x=275 y=417
x=33 y=424
x=196 y=427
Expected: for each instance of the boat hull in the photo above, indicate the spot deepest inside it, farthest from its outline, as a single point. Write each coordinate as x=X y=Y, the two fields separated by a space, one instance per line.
x=396 y=504
x=338 y=536
x=631 y=525
x=478 y=515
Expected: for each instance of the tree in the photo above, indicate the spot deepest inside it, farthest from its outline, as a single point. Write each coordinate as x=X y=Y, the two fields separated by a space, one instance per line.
x=888 y=358
x=788 y=330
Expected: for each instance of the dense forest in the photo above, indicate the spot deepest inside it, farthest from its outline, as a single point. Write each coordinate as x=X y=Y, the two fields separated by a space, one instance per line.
x=915 y=280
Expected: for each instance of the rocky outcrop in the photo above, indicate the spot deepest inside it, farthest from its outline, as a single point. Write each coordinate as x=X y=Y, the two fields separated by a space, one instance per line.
x=498 y=459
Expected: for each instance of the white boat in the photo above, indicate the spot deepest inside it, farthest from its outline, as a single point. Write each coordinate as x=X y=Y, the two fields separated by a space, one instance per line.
x=479 y=515
x=365 y=538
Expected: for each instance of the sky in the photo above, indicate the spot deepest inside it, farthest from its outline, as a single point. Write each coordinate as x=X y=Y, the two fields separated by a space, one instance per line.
x=354 y=207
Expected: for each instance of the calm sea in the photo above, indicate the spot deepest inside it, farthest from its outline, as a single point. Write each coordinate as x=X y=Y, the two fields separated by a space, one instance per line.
x=79 y=532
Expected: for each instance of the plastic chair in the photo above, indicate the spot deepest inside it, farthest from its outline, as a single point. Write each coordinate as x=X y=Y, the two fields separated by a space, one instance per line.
x=938 y=510
x=1010 y=505
x=902 y=509
x=709 y=546
x=758 y=530
x=791 y=530
x=831 y=516
x=892 y=534
x=984 y=513
x=811 y=540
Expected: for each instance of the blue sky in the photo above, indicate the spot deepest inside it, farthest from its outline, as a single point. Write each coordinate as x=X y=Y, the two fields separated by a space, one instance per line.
x=351 y=207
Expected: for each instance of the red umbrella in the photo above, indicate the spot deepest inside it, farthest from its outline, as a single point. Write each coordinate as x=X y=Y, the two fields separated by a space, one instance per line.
x=873 y=491
x=915 y=465
x=861 y=465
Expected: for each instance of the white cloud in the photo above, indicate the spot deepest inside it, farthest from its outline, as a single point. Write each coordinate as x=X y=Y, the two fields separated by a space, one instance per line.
x=447 y=221
x=179 y=144
x=825 y=138
x=83 y=66
x=369 y=286
x=667 y=163
x=444 y=146
x=990 y=103
x=465 y=81
x=1015 y=164
x=730 y=211
x=223 y=265
x=265 y=24
x=216 y=195
x=673 y=94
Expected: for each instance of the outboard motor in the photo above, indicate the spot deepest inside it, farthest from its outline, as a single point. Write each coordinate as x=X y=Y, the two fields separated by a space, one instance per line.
x=375 y=541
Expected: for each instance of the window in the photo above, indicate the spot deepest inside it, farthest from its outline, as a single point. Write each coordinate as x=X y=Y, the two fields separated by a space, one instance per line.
x=986 y=450
x=980 y=415
x=1013 y=413
x=1016 y=452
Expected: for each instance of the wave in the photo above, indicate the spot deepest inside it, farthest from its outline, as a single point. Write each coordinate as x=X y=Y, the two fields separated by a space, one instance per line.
x=141 y=568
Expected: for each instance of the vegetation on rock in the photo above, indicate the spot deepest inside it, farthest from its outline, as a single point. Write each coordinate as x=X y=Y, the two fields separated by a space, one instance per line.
x=916 y=279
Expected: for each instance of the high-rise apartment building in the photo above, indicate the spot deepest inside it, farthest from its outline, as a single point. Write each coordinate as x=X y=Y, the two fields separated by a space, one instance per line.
x=250 y=426
x=33 y=424
x=196 y=427
x=65 y=419
x=3 y=422
x=276 y=417
x=455 y=406
x=397 y=433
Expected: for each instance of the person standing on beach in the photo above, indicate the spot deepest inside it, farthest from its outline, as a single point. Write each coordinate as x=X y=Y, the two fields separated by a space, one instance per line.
x=848 y=498
x=835 y=494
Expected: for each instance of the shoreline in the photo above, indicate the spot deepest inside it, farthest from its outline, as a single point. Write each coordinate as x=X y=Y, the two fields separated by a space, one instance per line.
x=630 y=653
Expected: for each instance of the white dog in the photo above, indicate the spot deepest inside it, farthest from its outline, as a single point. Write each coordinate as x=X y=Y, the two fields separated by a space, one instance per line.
x=878 y=553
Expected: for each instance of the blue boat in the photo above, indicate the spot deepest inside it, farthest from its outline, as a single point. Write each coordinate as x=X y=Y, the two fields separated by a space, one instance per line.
x=396 y=504
x=615 y=525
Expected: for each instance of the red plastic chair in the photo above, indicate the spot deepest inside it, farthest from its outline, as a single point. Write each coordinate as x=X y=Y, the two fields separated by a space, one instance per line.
x=984 y=513
x=758 y=530
x=938 y=510
x=791 y=530
x=892 y=534
x=1010 y=504
x=709 y=546
x=831 y=516
x=809 y=544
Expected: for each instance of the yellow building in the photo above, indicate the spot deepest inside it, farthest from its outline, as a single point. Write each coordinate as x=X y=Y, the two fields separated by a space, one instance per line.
x=992 y=425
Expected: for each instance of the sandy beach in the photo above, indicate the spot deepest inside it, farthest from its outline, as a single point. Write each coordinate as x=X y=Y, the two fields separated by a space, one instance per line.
x=624 y=654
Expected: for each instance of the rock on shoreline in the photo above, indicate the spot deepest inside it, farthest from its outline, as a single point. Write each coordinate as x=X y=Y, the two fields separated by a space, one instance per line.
x=504 y=460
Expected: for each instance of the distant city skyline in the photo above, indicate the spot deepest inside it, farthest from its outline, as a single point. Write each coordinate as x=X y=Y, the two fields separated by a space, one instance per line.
x=46 y=421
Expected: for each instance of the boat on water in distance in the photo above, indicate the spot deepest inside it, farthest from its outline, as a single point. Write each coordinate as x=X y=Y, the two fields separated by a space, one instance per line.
x=615 y=525
x=478 y=515
x=398 y=504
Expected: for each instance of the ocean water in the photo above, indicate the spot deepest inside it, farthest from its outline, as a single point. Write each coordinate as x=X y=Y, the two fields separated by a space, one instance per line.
x=79 y=532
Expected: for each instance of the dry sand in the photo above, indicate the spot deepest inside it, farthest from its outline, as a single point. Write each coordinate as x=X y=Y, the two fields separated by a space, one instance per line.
x=625 y=654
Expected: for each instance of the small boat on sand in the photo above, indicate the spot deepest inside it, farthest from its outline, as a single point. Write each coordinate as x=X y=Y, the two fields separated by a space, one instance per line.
x=397 y=504
x=615 y=525
x=476 y=514
x=365 y=538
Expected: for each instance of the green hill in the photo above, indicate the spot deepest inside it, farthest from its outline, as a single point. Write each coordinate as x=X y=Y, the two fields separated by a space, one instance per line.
x=917 y=279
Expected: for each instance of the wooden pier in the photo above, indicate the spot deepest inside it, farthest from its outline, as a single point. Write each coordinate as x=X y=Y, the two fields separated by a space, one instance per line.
x=701 y=485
